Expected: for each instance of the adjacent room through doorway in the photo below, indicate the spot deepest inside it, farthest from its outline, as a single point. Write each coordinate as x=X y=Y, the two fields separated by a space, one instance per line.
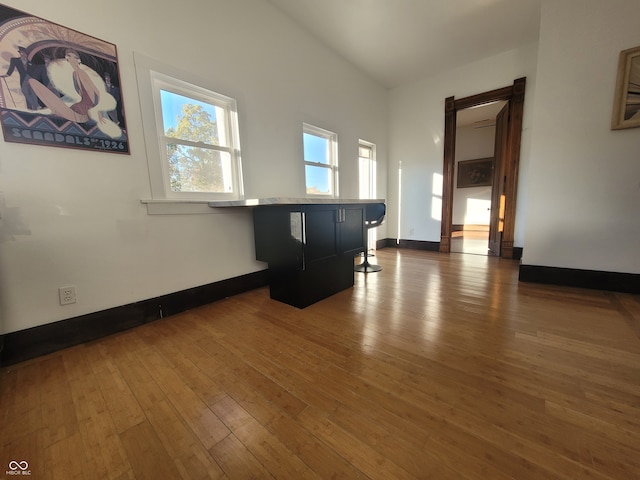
x=475 y=145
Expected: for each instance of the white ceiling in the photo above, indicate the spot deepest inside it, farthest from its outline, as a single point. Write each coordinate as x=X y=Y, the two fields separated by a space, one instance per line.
x=402 y=41
x=479 y=117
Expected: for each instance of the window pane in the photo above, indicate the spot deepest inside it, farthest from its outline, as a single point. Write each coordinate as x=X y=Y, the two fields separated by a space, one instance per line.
x=318 y=180
x=316 y=149
x=188 y=119
x=365 y=152
x=194 y=169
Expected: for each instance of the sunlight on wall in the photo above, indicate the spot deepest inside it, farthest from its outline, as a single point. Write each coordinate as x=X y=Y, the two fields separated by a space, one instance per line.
x=478 y=212
x=436 y=197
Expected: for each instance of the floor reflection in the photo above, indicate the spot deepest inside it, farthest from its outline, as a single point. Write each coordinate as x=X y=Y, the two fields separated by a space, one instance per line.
x=476 y=243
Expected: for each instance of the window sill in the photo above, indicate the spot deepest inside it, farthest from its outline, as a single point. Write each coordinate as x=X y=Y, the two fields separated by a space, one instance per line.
x=181 y=207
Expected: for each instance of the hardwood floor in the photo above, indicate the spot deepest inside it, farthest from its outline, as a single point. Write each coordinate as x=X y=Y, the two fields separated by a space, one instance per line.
x=438 y=367
x=473 y=242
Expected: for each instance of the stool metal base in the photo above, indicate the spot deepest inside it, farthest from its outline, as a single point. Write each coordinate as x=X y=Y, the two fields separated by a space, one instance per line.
x=366 y=267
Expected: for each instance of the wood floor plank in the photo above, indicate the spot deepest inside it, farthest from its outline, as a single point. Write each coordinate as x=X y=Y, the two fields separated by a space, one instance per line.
x=272 y=453
x=205 y=424
x=438 y=367
x=182 y=445
x=120 y=400
x=105 y=453
x=237 y=461
x=151 y=460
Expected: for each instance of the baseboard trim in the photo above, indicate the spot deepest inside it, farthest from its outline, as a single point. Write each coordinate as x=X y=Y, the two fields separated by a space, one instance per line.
x=593 y=279
x=410 y=244
x=44 y=339
x=426 y=245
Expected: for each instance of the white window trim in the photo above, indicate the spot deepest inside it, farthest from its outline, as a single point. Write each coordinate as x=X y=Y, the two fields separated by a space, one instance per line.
x=333 y=159
x=148 y=71
x=371 y=180
x=371 y=184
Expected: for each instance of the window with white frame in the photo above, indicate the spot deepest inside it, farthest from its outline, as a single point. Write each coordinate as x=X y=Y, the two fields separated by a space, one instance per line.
x=198 y=138
x=193 y=147
x=367 y=169
x=320 y=161
x=367 y=179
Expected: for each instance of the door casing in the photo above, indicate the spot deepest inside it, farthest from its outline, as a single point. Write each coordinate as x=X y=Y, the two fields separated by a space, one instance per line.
x=514 y=94
x=501 y=143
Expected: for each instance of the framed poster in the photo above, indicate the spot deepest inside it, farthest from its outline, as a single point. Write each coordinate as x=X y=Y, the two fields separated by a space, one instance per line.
x=475 y=173
x=58 y=87
x=626 y=105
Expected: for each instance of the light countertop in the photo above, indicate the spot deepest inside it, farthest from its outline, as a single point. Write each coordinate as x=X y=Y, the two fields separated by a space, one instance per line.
x=254 y=202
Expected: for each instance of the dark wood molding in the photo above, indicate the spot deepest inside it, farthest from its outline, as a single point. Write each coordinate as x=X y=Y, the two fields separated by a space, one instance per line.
x=507 y=249
x=512 y=166
x=382 y=243
x=514 y=94
x=571 y=277
x=412 y=244
x=448 y=170
x=419 y=245
x=33 y=342
x=499 y=94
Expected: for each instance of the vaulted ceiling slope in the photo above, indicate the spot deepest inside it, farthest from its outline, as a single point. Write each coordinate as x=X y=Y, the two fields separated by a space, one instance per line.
x=401 y=41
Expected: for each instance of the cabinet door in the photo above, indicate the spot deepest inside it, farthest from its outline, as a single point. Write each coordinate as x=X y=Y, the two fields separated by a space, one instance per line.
x=352 y=229
x=321 y=232
x=278 y=236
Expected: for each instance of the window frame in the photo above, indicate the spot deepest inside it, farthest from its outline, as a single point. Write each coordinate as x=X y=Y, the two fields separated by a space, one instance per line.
x=153 y=77
x=367 y=183
x=332 y=159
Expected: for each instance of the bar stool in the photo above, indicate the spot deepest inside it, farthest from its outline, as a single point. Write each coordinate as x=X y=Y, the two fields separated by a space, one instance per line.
x=374 y=214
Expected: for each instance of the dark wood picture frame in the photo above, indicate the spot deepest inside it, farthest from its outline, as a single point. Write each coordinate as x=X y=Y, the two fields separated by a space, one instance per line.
x=59 y=87
x=475 y=173
x=626 y=104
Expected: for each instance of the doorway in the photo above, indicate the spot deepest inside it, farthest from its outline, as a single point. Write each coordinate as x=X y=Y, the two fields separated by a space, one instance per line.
x=505 y=185
x=475 y=156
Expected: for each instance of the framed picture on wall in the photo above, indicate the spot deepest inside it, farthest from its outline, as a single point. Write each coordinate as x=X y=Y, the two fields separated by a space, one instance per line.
x=475 y=173
x=58 y=87
x=626 y=104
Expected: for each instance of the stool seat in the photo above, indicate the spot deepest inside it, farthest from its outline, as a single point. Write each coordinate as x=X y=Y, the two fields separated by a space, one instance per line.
x=374 y=215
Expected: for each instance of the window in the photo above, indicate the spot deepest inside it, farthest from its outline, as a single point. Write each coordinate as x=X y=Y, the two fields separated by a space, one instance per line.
x=191 y=133
x=367 y=179
x=367 y=169
x=320 y=161
x=198 y=139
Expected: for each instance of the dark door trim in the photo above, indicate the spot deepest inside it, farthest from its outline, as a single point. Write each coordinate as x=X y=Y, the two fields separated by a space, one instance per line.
x=515 y=95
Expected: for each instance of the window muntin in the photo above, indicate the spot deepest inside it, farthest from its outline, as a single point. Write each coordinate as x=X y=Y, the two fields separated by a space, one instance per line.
x=198 y=140
x=320 y=161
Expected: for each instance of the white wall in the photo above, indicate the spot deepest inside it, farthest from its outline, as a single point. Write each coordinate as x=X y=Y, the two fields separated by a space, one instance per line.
x=75 y=217
x=584 y=179
x=417 y=132
x=470 y=203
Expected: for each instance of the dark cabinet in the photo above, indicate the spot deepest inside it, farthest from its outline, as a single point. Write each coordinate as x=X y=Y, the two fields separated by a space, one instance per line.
x=309 y=248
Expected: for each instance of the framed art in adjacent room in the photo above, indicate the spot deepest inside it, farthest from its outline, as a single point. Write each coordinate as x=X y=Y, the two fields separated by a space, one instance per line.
x=58 y=87
x=626 y=104
x=475 y=173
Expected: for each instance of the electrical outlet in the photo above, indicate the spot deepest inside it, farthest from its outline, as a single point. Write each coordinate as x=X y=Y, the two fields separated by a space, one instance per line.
x=67 y=294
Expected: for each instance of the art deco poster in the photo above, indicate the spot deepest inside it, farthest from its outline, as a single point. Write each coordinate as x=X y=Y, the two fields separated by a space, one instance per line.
x=58 y=87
